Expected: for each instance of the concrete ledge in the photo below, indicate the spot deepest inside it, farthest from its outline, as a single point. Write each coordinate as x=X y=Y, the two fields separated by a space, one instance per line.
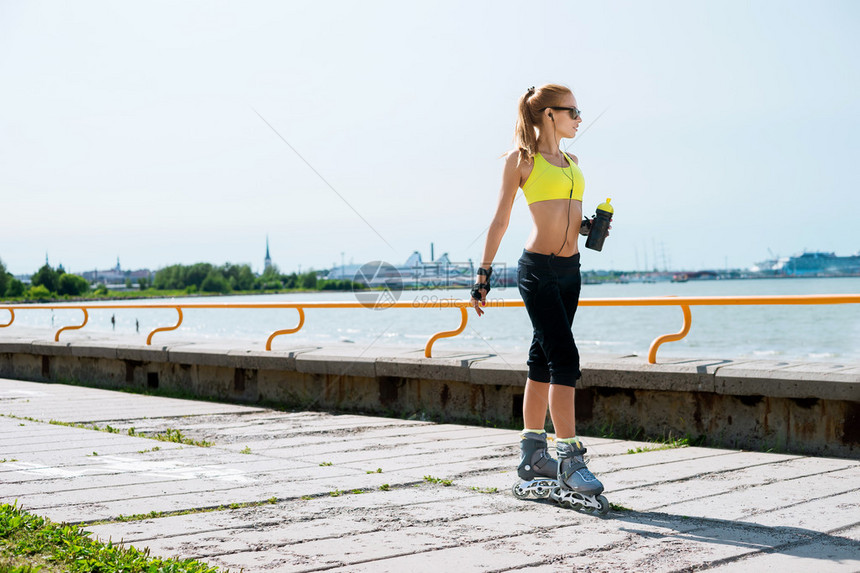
x=142 y=353
x=446 y=366
x=792 y=406
x=17 y=345
x=685 y=375
x=326 y=361
x=266 y=359
x=789 y=380
x=201 y=355
x=87 y=349
x=501 y=369
x=51 y=348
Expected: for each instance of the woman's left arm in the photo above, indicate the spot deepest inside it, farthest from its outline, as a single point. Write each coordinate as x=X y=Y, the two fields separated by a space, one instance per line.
x=510 y=183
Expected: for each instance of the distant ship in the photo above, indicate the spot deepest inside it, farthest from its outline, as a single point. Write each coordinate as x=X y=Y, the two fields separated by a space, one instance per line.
x=810 y=264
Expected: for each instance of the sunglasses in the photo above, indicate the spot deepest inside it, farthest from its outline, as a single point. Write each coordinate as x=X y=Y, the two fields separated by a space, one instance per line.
x=574 y=113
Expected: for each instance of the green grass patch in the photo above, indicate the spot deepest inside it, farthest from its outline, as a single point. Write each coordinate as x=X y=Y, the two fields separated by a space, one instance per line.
x=326 y=464
x=32 y=543
x=245 y=450
x=669 y=443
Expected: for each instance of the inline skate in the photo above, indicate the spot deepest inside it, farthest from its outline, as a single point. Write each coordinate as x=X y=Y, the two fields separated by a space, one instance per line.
x=574 y=485
x=538 y=470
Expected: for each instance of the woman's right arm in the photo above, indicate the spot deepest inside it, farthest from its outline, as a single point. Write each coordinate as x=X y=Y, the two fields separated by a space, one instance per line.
x=511 y=180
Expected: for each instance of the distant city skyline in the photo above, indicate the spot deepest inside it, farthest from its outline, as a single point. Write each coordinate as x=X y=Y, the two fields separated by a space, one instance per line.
x=721 y=130
x=661 y=266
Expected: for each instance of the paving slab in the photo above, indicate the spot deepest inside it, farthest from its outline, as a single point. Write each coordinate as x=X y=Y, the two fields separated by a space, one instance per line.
x=831 y=555
x=300 y=491
x=66 y=403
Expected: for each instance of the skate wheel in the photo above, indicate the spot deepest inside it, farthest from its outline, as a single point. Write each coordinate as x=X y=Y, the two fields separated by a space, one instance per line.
x=570 y=504
x=604 y=505
x=519 y=492
x=542 y=492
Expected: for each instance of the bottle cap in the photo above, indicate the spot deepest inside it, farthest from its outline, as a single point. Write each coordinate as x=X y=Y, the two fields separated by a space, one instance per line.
x=606 y=206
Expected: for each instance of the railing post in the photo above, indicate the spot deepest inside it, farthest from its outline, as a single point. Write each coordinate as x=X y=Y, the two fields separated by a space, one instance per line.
x=11 y=318
x=288 y=330
x=464 y=317
x=166 y=328
x=688 y=321
x=81 y=325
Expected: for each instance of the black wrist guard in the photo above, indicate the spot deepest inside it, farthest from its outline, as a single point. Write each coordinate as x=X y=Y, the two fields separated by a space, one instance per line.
x=585 y=227
x=476 y=290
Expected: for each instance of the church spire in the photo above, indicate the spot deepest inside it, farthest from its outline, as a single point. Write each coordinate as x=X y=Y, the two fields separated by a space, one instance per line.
x=268 y=261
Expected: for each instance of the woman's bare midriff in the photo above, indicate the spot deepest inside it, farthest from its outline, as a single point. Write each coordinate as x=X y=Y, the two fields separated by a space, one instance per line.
x=550 y=218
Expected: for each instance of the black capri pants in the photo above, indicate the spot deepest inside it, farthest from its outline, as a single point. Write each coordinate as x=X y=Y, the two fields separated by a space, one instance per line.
x=550 y=287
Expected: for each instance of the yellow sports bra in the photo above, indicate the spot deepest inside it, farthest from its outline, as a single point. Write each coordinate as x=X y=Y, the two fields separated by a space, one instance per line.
x=546 y=181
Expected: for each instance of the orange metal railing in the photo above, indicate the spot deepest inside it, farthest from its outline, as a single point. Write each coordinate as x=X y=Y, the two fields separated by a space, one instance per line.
x=463 y=305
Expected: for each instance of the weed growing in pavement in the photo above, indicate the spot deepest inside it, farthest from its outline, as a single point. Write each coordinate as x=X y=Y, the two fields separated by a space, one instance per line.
x=177 y=437
x=485 y=489
x=169 y=435
x=376 y=471
x=668 y=443
x=151 y=515
x=245 y=450
x=4 y=460
x=674 y=444
x=157 y=514
x=617 y=507
x=385 y=487
x=326 y=464
x=32 y=543
x=445 y=482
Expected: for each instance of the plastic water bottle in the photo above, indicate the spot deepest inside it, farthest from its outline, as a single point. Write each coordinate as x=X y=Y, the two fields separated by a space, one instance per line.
x=600 y=226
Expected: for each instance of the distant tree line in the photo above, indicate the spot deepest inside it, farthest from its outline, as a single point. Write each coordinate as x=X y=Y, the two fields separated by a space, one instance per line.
x=204 y=277
x=9 y=285
x=200 y=277
x=45 y=283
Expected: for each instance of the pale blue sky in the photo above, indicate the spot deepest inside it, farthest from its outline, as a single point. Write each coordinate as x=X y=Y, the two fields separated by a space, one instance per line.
x=128 y=128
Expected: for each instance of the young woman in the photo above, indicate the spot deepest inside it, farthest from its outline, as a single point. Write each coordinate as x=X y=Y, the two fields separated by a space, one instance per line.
x=549 y=282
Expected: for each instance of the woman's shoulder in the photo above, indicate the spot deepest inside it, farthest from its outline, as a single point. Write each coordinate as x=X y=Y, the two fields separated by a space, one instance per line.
x=514 y=159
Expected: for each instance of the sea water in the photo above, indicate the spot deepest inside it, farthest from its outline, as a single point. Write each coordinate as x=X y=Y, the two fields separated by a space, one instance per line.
x=828 y=333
